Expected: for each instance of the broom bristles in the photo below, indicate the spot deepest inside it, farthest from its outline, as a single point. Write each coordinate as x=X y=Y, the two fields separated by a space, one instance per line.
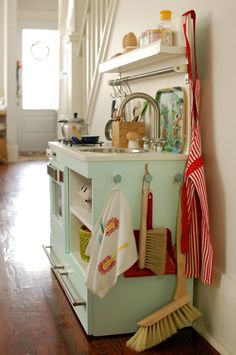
x=148 y=336
x=155 y=257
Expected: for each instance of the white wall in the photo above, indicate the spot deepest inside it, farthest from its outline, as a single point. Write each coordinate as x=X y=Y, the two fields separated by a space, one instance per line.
x=10 y=16
x=1 y=51
x=216 y=57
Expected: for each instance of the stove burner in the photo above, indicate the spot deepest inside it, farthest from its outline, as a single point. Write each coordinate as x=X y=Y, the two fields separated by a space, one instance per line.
x=70 y=142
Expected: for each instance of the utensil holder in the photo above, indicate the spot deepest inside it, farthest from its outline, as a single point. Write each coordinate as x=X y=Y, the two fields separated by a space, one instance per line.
x=120 y=130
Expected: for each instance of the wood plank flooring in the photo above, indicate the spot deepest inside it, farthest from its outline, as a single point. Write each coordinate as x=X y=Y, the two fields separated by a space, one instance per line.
x=36 y=318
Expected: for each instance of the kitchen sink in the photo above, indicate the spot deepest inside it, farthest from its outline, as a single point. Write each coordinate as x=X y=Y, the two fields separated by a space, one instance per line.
x=111 y=150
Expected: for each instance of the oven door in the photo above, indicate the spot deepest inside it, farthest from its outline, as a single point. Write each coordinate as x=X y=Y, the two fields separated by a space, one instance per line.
x=59 y=212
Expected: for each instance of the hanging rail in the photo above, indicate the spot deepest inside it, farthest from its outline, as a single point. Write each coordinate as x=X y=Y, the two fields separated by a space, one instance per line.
x=183 y=68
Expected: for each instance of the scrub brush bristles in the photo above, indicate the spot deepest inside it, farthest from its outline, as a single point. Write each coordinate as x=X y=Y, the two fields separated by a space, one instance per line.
x=156 y=247
x=148 y=336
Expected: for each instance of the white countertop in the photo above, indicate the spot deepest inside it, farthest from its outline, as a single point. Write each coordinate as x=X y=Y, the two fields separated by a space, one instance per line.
x=77 y=152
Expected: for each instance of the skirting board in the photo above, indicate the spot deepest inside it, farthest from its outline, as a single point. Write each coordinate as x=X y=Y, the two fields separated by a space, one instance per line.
x=12 y=153
x=217 y=304
x=211 y=340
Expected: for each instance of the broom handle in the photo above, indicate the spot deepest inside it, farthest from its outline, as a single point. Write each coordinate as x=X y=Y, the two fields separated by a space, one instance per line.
x=181 y=295
x=181 y=288
x=149 y=210
x=143 y=226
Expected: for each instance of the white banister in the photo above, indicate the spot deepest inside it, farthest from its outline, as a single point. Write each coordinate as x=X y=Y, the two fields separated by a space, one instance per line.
x=95 y=30
x=85 y=27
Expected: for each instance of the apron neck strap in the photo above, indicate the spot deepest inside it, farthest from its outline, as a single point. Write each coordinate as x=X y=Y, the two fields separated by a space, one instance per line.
x=190 y=15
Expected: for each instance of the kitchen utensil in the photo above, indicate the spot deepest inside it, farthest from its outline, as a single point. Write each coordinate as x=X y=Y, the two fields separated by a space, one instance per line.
x=120 y=130
x=108 y=130
x=108 y=126
x=73 y=127
x=137 y=111
x=165 y=322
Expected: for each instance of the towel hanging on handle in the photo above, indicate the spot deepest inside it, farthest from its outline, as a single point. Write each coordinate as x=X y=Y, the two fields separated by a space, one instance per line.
x=112 y=248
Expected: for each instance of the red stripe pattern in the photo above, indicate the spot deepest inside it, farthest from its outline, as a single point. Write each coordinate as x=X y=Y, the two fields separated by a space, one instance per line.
x=196 y=239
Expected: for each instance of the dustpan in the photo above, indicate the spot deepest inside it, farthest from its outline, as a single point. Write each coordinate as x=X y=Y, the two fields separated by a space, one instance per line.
x=170 y=261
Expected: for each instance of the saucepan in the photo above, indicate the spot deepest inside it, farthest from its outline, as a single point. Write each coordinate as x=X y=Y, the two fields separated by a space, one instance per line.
x=75 y=127
x=86 y=139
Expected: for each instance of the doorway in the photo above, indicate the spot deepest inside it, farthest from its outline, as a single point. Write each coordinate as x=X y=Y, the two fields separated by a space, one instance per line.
x=37 y=85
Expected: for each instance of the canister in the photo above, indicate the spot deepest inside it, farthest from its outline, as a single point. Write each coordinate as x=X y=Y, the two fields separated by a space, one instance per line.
x=153 y=35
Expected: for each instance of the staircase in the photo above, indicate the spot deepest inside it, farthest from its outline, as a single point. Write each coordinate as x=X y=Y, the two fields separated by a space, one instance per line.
x=84 y=39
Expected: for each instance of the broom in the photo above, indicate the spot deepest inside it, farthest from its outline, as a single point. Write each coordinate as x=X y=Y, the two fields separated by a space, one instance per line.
x=165 y=322
x=153 y=242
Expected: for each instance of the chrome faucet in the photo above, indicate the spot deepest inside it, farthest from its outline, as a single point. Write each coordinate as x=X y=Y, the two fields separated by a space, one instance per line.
x=156 y=124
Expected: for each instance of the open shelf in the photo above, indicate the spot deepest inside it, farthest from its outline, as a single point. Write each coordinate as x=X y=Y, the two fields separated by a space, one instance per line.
x=84 y=216
x=149 y=54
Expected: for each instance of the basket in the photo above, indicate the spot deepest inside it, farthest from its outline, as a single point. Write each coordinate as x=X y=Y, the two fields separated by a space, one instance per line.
x=85 y=235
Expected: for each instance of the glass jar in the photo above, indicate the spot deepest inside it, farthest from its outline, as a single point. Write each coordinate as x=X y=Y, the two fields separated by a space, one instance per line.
x=165 y=27
x=153 y=35
x=143 y=39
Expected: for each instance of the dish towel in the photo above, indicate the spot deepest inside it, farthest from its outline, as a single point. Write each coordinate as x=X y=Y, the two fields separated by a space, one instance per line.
x=112 y=248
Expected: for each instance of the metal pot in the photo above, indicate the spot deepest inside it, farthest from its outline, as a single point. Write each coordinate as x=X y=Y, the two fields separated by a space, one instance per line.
x=73 y=128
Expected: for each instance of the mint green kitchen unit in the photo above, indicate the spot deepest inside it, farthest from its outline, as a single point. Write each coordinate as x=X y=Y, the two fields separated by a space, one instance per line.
x=132 y=298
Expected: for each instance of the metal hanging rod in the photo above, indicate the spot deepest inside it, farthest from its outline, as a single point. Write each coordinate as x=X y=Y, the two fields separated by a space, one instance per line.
x=182 y=68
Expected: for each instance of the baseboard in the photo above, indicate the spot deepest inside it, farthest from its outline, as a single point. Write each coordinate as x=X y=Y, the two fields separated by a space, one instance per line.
x=12 y=153
x=211 y=340
x=217 y=304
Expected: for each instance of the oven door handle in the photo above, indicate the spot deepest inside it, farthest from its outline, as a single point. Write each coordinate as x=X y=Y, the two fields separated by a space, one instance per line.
x=54 y=173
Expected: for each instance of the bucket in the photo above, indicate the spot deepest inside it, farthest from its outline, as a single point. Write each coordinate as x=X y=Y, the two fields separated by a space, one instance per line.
x=85 y=235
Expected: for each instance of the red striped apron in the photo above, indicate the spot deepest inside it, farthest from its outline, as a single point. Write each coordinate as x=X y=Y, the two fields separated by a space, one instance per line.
x=196 y=239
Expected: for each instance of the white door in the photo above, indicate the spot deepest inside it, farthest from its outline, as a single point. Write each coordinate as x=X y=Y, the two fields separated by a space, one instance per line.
x=37 y=115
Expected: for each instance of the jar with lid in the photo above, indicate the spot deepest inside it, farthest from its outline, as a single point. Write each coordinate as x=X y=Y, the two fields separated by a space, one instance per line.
x=153 y=35
x=165 y=27
x=143 y=39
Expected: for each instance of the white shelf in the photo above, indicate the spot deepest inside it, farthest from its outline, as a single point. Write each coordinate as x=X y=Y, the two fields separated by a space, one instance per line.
x=84 y=216
x=149 y=54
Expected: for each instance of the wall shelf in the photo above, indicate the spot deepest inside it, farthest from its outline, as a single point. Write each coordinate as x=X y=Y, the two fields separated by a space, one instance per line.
x=137 y=58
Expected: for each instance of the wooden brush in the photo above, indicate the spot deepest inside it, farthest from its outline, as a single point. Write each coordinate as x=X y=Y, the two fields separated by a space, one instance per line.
x=156 y=250
x=152 y=242
x=165 y=322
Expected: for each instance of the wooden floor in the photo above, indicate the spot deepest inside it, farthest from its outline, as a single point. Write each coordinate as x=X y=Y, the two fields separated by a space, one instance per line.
x=35 y=316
